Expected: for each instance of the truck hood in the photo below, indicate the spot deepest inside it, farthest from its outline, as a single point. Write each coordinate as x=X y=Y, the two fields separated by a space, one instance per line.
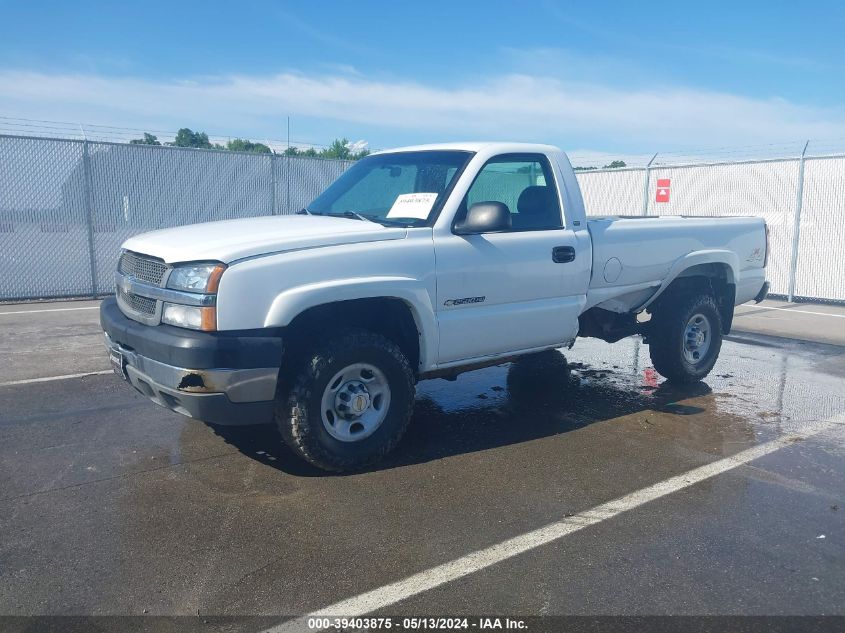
x=231 y=240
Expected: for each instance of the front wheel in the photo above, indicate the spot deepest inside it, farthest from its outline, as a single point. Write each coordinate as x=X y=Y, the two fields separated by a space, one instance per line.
x=349 y=403
x=685 y=338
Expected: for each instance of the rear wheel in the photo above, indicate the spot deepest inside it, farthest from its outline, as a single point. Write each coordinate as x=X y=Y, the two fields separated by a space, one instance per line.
x=349 y=403
x=685 y=337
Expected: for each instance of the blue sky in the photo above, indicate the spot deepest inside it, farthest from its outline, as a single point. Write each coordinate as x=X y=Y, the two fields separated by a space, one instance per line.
x=614 y=77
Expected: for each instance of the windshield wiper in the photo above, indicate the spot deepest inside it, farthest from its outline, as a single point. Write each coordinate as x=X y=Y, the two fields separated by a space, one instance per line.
x=304 y=211
x=375 y=219
x=352 y=215
x=397 y=222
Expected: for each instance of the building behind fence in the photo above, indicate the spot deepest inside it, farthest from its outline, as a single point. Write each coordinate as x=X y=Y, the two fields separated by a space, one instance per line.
x=67 y=205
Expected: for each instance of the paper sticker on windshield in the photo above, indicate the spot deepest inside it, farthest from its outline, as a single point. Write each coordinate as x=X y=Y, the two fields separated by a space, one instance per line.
x=412 y=205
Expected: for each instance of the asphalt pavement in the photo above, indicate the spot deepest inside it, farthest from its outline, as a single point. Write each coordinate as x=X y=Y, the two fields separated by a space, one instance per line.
x=585 y=487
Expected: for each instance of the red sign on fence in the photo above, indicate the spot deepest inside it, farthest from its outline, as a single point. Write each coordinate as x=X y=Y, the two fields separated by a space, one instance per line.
x=662 y=190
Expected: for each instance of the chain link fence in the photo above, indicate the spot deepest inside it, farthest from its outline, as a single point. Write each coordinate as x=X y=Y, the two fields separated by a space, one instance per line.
x=66 y=206
x=801 y=199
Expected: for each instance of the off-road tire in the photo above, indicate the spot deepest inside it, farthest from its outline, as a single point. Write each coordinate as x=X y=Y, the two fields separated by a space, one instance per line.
x=667 y=333
x=298 y=401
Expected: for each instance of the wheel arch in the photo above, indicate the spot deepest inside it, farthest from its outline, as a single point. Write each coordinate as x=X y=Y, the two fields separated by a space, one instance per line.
x=713 y=272
x=389 y=306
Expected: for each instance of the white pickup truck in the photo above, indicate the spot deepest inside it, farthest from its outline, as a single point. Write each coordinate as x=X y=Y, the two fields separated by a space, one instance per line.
x=421 y=262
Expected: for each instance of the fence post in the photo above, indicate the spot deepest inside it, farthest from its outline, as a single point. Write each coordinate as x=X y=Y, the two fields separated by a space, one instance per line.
x=288 y=167
x=272 y=182
x=645 y=185
x=796 y=226
x=89 y=214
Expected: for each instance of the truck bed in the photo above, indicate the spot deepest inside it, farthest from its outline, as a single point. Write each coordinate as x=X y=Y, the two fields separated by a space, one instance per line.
x=634 y=256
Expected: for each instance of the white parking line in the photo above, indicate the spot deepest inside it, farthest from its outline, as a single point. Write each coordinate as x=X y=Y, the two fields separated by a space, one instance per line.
x=436 y=576
x=52 y=378
x=838 y=316
x=51 y=310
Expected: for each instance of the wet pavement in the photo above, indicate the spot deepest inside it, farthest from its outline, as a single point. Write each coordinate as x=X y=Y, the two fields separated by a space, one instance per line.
x=111 y=505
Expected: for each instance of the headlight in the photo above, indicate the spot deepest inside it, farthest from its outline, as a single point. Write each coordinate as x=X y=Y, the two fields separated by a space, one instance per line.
x=203 y=278
x=192 y=317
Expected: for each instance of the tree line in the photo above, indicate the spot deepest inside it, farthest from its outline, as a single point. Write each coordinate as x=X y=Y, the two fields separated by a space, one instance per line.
x=339 y=149
x=616 y=164
x=186 y=137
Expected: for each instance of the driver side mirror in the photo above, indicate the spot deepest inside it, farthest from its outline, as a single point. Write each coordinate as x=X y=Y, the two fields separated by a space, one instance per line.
x=484 y=217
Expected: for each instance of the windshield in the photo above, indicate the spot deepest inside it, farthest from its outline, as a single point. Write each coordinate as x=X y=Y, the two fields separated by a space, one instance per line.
x=402 y=188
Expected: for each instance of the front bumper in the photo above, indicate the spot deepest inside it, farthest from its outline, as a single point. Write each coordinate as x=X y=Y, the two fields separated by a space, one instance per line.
x=218 y=377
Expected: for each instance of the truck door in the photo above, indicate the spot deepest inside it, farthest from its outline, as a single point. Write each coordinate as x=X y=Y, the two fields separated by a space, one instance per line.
x=515 y=290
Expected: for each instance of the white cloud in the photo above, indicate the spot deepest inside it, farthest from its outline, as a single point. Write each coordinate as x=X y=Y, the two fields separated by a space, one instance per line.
x=511 y=106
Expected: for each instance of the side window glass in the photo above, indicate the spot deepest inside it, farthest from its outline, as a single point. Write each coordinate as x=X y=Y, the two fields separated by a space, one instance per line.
x=525 y=185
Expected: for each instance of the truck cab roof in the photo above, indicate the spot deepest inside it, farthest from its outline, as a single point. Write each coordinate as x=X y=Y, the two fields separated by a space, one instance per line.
x=497 y=147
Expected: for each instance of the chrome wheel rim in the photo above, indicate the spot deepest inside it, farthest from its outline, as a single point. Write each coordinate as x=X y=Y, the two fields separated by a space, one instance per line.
x=697 y=337
x=355 y=402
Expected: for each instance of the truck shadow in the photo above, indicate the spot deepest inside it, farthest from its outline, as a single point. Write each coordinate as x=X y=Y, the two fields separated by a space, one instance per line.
x=543 y=396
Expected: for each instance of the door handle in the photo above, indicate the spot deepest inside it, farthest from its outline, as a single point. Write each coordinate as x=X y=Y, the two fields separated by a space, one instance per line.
x=563 y=254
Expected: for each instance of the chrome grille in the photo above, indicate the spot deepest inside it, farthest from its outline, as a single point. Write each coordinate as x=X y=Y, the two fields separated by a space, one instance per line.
x=142 y=268
x=137 y=303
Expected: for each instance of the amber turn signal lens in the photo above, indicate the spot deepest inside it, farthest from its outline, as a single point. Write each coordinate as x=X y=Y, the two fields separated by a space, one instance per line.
x=209 y=319
x=214 y=279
